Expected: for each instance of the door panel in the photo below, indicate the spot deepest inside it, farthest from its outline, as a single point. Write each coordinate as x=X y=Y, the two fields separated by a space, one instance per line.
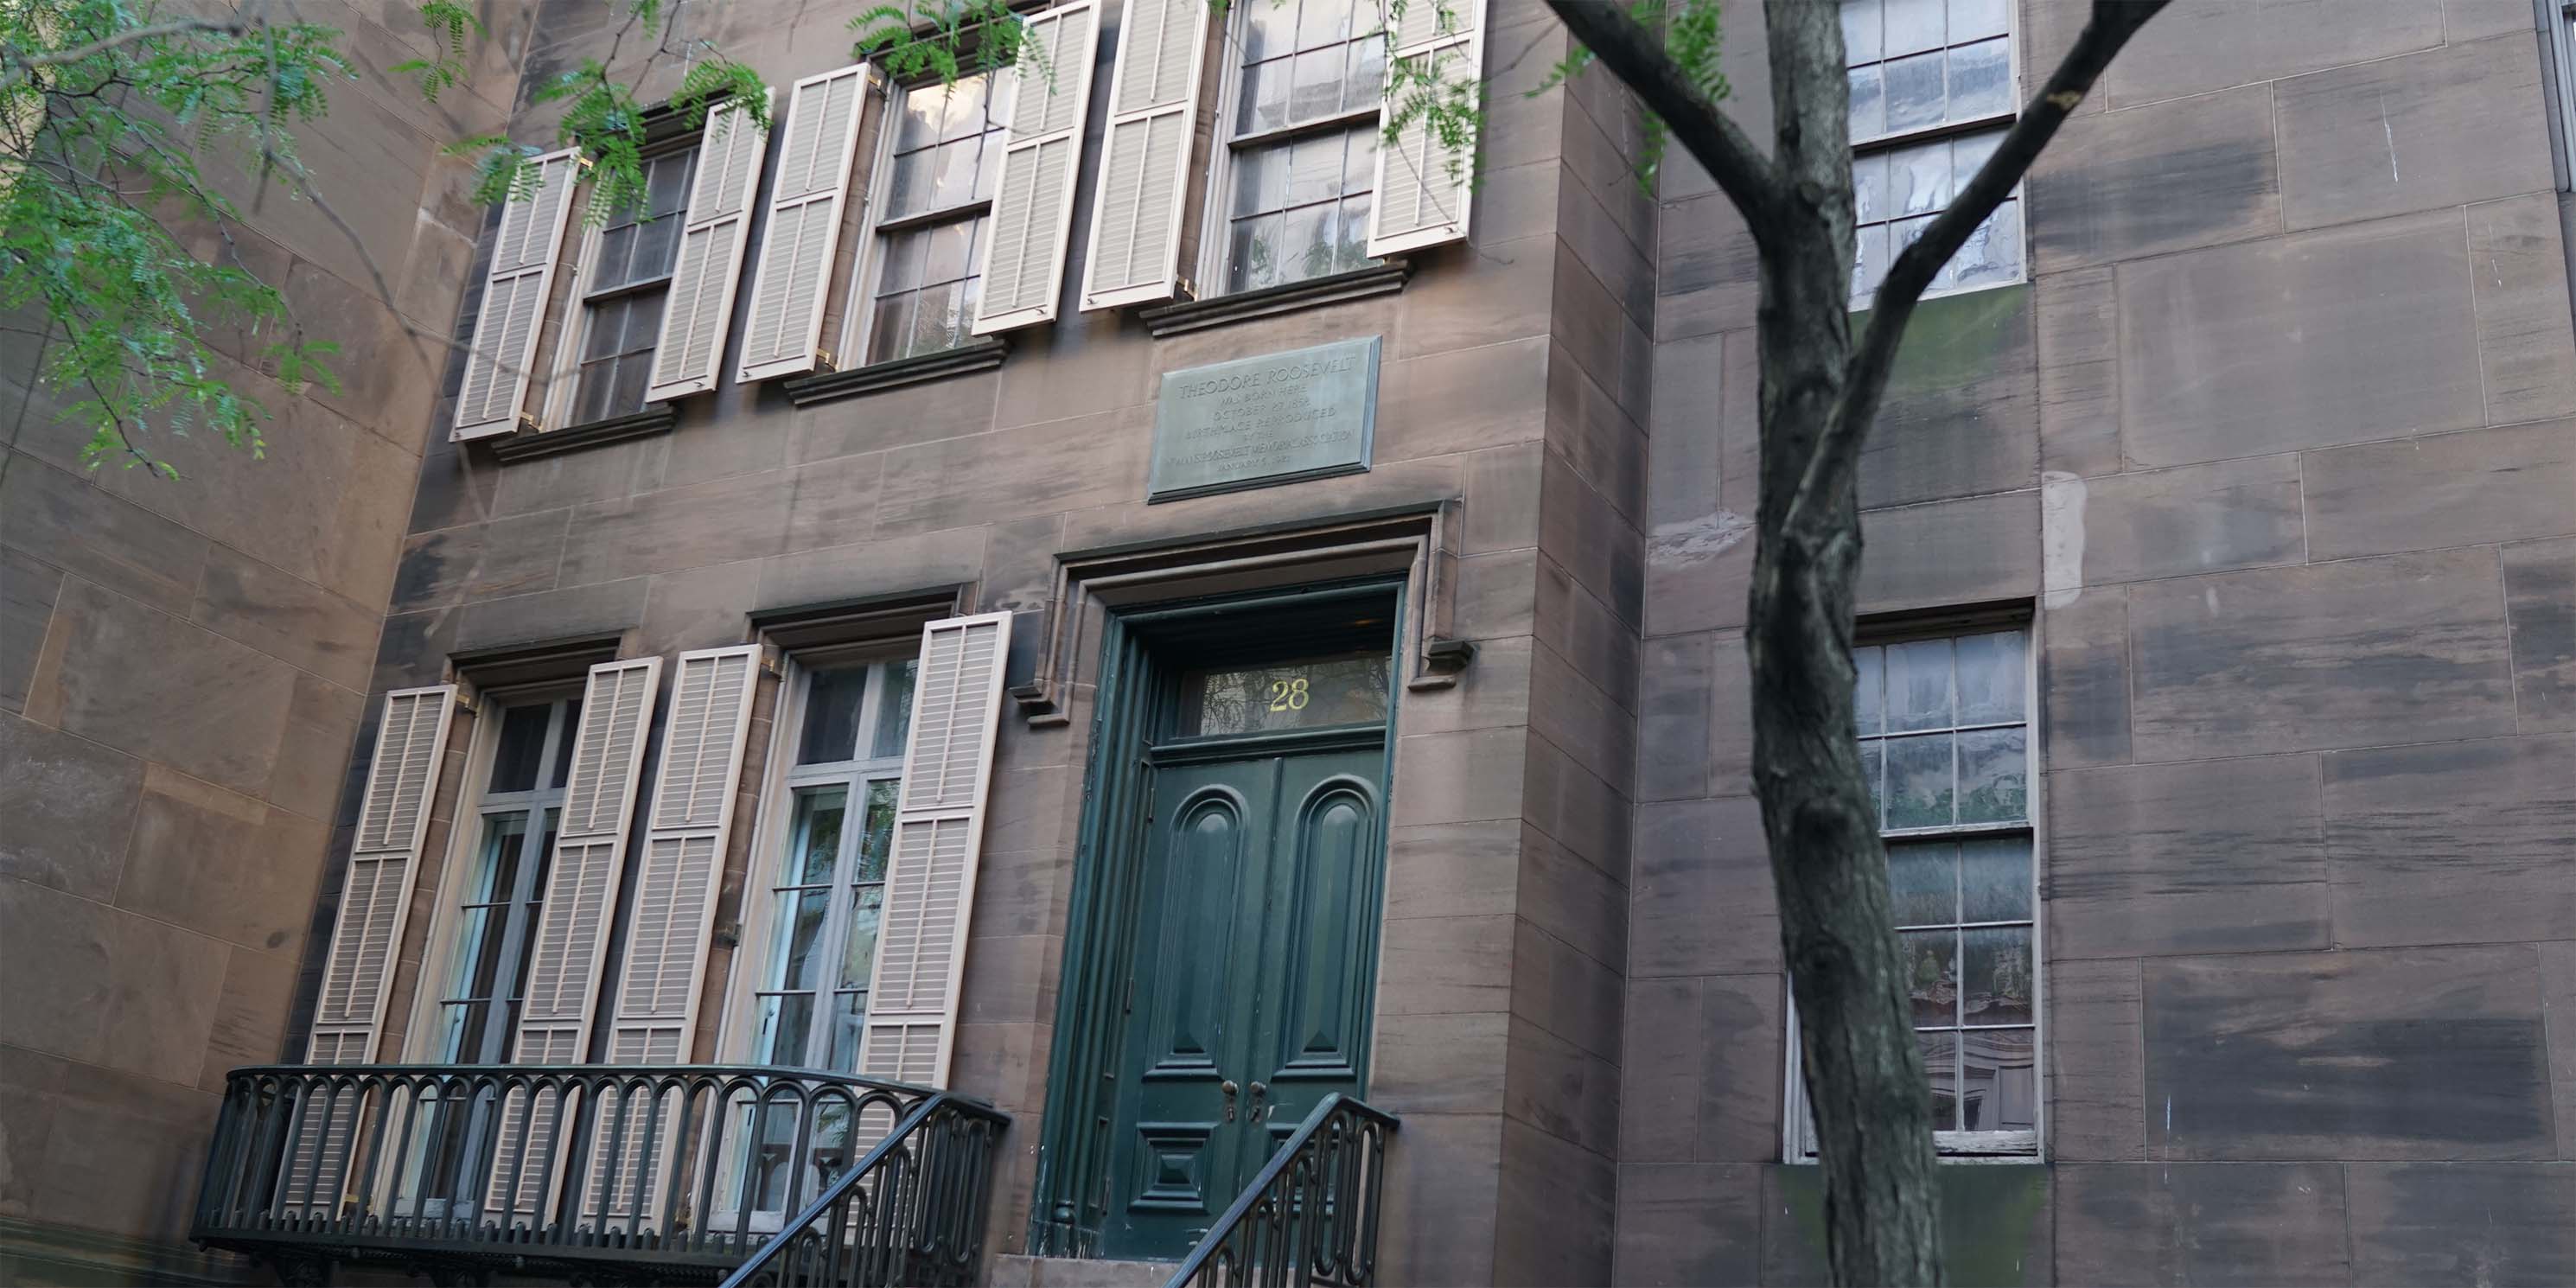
x=1255 y=934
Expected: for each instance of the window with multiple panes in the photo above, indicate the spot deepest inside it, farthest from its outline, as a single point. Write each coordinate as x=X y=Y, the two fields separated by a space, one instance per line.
x=943 y=149
x=1301 y=130
x=514 y=819
x=824 y=879
x=2562 y=87
x=626 y=287
x=1945 y=740
x=1932 y=92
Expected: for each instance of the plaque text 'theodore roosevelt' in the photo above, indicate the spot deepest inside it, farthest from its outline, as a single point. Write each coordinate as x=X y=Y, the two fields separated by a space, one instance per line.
x=1254 y=422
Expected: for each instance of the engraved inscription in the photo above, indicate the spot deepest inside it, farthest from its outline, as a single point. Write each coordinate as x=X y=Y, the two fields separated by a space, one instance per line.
x=1259 y=421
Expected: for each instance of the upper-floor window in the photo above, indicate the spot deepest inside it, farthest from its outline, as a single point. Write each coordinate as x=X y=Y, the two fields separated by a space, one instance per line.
x=1301 y=125
x=1932 y=93
x=825 y=877
x=943 y=152
x=1944 y=725
x=625 y=287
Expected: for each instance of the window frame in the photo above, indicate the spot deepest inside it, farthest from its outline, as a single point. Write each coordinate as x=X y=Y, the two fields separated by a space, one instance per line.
x=873 y=229
x=782 y=781
x=563 y=397
x=2558 y=74
x=1886 y=144
x=1216 y=214
x=464 y=852
x=1797 y=1124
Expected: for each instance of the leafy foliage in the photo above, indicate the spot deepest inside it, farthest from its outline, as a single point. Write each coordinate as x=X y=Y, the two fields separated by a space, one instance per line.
x=104 y=118
x=943 y=38
x=1693 y=38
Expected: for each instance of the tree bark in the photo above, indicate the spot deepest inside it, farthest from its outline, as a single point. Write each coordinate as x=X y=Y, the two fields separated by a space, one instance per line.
x=1819 y=393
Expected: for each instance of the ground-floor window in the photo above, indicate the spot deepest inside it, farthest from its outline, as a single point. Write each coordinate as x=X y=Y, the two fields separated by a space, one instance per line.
x=1945 y=739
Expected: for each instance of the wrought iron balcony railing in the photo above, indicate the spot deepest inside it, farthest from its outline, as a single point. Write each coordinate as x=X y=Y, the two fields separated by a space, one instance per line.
x=909 y=1214
x=1312 y=1214
x=638 y=1173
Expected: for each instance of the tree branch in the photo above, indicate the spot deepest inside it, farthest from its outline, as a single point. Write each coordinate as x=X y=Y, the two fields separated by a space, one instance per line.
x=178 y=27
x=1865 y=378
x=1634 y=56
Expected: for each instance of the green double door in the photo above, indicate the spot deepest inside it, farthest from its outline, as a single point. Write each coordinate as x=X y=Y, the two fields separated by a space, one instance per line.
x=1253 y=965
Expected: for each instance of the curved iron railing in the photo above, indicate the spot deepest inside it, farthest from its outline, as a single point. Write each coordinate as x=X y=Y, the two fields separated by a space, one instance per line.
x=1311 y=1216
x=911 y=1212
x=539 y=1168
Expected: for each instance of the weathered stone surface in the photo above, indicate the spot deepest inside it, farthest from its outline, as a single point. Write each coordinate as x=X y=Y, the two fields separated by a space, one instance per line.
x=2418 y=1054
x=2419 y=132
x=120 y=1151
x=2194 y=857
x=1996 y=1225
x=1553 y=1218
x=2079 y=373
x=74 y=526
x=287 y=618
x=512 y=556
x=1442 y=1064
x=223 y=865
x=1570 y=994
x=2445 y=843
x=1961 y=413
x=2259 y=1225
x=2524 y=342
x=1688 y=1225
x=2194 y=518
x=2540 y=602
x=2477 y=486
x=1674 y=708
x=603 y=608
x=158 y=688
x=1437 y=1229
x=1701 y=892
x=2482 y=1224
x=66 y=809
x=27 y=591
x=2341 y=335
x=2145 y=180
x=1706 y=268
x=2558 y=997
x=2084 y=678
x=250 y=1015
x=2352 y=653
x=1560 y=1088
x=1972 y=550
x=2096 y=1055
x=2210 y=44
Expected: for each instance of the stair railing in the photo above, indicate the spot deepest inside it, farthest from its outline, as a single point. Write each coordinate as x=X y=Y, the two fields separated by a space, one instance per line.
x=910 y=1214
x=1311 y=1216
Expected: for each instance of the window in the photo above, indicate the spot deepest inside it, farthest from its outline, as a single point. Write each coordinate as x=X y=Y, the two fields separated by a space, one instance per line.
x=1944 y=728
x=943 y=154
x=2562 y=87
x=505 y=876
x=625 y=287
x=1932 y=93
x=1301 y=127
x=825 y=879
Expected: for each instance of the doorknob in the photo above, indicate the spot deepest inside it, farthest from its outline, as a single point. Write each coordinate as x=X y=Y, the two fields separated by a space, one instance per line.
x=1255 y=1112
x=1227 y=1088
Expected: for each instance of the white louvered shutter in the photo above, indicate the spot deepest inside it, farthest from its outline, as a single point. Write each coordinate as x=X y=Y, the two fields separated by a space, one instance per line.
x=514 y=300
x=807 y=204
x=348 y=1018
x=1144 y=168
x=710 y=262
x=580 y=896
x=1023 y=258
x=911 y=1025
x=1424 y=190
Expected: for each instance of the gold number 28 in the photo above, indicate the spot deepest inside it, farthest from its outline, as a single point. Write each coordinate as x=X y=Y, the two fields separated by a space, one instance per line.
x=1288 y=695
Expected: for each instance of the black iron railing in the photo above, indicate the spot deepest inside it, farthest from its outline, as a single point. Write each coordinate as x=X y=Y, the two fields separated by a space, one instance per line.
x=1311 y=1216
x=667 y=1173
x=911 y=1212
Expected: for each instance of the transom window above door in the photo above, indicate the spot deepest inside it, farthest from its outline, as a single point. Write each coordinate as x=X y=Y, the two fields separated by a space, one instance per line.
x=823 y=876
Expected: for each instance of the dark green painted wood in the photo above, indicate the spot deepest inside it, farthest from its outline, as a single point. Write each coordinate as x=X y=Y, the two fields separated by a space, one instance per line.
x=1250 y=989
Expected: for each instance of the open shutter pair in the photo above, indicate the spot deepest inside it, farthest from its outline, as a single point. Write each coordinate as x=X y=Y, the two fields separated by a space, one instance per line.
x=580 y=896
x=711 y=249
x=1424 y=189
x=348 y=1019
x=911 y=1027
x=807 y=203
x=1145 y=165
x=514 y=299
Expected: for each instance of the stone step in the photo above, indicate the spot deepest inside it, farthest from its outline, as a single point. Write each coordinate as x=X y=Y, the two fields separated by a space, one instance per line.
x=1013 y=1271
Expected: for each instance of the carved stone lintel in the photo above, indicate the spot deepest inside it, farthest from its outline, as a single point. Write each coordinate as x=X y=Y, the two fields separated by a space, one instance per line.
x=1417 y=541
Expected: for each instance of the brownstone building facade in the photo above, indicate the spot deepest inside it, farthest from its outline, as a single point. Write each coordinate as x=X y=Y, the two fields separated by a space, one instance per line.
x=843 y=618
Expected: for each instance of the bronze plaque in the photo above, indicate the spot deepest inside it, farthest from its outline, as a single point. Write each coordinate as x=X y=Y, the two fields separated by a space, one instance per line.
x=1255 y=422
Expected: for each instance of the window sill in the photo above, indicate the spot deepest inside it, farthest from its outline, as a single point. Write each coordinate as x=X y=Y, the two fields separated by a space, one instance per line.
x=977 y=355
x=526 y=445
x=1243 y=306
